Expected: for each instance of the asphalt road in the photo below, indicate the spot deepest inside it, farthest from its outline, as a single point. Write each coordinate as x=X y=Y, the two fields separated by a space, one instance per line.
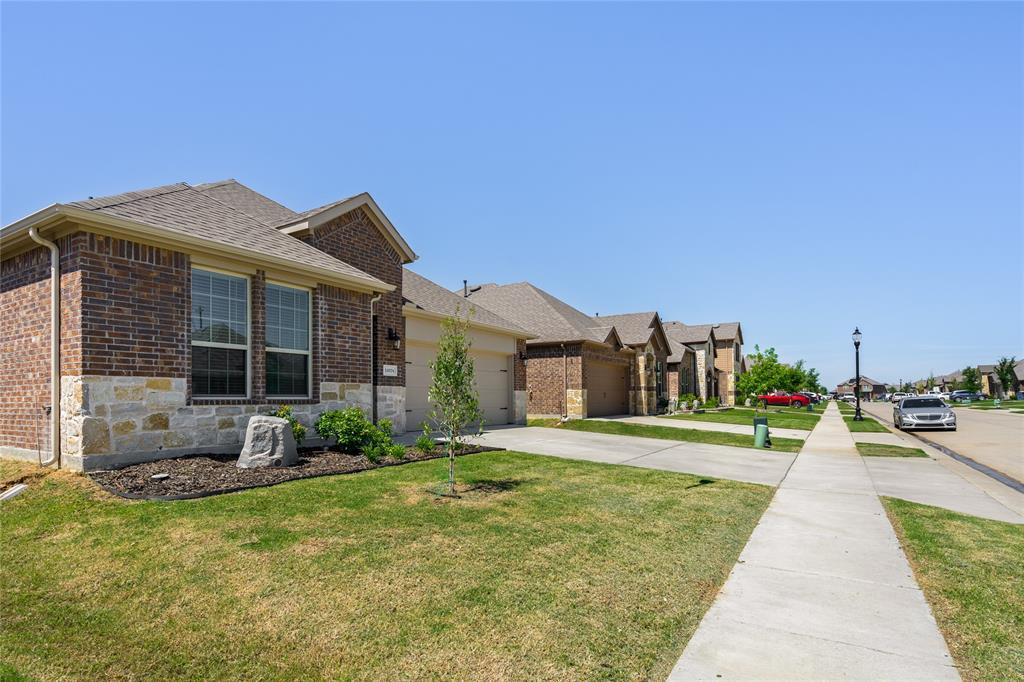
x=994 y=438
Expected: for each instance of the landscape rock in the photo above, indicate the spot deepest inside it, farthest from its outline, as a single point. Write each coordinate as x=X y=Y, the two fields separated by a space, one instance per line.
x=268 y=442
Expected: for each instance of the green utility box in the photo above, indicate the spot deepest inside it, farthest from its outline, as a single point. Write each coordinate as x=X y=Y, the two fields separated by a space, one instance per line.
x=762 y=439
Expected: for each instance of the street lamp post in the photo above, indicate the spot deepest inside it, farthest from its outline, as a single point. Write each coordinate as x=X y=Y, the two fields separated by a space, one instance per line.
x=857 y=417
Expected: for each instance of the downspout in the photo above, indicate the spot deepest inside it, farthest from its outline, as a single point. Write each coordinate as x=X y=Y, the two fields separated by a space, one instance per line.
x=54 y=347
x=565 y=384
x=373 y=359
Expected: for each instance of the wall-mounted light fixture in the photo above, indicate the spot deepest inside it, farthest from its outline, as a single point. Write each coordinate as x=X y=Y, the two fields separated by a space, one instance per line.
x=522 y=355
x=394 y=338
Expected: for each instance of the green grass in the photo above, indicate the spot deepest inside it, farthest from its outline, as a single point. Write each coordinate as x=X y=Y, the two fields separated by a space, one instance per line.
x=880 y=450
x=972 y=575
x=867 y=425
x=991 y=405
x=781 y=418
x=550 y=568
x=844 y=408
x=668 y=433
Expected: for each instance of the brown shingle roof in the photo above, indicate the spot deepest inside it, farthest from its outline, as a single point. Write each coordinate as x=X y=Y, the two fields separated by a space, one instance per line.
x=677 y=350
x=182 y=209
x=246 y=200
x=434 y=298
x=690 y=333
x=633 y=328
x=540 y=313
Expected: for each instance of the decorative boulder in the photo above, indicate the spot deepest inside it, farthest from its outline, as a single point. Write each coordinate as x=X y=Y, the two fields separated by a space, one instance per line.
x=268 y=443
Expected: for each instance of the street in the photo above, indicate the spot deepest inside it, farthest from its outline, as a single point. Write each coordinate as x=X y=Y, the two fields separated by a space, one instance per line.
x=994 y=438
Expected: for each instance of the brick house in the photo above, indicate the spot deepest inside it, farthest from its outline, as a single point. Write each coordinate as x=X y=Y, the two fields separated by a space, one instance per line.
x=869 y=388
x=184 y=309
x=577 y=366
x=645 y=335
x=728 y=359
x=682 y=370
x=701 y=339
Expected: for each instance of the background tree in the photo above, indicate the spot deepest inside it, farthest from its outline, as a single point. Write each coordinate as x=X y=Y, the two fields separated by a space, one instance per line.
x=1005 y=372
x=455 y=403
x=969 y=380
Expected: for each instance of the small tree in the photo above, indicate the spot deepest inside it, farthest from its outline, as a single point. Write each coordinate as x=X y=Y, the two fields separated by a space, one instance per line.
x=969 y=380
x=1006 y=374
x=455 y=403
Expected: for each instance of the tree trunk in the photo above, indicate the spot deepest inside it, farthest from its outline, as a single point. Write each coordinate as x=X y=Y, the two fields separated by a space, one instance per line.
x=451 y=466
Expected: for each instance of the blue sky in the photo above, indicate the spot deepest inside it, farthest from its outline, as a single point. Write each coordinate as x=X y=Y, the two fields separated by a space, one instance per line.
x=801 y=167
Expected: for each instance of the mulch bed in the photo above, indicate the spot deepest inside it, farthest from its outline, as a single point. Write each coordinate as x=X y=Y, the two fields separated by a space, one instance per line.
x=204 y=475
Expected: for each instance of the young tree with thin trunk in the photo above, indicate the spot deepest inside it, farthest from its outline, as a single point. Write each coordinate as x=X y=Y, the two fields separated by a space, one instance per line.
x=455 y=403
x=1006 y=374
x=969 y=379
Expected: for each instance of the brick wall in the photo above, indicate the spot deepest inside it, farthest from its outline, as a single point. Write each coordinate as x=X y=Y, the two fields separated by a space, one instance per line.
x=519 y=367
x=136 y=303
x=355 y=239
x=341 y=320
x=25 y=350
x=546 y=372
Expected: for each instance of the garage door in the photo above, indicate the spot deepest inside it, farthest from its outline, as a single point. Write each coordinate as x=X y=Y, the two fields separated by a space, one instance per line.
x=606 y=389
x=492 y=382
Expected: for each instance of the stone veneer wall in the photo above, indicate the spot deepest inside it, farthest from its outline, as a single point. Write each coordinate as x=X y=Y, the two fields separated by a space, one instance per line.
x=702 y=380
x=112 y=421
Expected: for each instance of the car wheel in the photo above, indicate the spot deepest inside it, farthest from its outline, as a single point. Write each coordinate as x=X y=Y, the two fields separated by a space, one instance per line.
x=896 y=423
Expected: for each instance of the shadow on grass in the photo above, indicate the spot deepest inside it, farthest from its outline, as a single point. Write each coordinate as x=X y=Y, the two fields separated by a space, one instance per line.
x=703 y=481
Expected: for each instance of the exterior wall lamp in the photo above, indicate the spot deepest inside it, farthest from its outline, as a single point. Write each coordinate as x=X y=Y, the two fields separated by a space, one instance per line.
x=394 y=338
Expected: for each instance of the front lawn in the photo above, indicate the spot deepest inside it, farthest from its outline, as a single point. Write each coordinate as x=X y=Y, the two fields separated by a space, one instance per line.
x=867 y=425
x=880 y=450
x=668 y=433
x=780 y=418
x=991 y=405
x=972 y=575
x=546 y=568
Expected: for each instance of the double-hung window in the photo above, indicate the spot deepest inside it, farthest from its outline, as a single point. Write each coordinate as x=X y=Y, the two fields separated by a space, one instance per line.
x=288 y=344
x=220 y=335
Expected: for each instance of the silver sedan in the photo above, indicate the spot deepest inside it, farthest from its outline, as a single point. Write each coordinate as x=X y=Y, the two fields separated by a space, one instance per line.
x=924 y=413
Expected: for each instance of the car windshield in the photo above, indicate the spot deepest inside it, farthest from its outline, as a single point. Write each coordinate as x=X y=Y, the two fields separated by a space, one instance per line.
x=922 y=402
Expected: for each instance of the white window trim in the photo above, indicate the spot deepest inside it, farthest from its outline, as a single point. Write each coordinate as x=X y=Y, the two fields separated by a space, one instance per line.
x=309 y=339
x=231 y=346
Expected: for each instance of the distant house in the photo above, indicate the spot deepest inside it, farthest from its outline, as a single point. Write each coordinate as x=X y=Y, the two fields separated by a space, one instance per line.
x=701 y=339
x=682 y=369
x=869 y=388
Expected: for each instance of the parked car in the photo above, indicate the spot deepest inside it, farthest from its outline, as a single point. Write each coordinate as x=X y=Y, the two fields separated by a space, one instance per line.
x=783 y=398
x=898 y=396
x=967 y=395
x=813 y=397
x=924 y=413
x=848 y=398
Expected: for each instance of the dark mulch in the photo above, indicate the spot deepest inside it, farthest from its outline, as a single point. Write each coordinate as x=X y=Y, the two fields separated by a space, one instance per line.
x=204 y=475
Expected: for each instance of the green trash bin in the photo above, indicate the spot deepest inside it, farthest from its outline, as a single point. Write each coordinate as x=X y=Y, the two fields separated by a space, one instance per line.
x=761 y=436
x=761 y=440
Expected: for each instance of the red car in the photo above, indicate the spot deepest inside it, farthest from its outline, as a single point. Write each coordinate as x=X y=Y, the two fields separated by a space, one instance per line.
x=786 y=399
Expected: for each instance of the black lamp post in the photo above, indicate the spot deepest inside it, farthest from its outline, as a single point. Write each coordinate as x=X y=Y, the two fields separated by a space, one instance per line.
x=857 y=417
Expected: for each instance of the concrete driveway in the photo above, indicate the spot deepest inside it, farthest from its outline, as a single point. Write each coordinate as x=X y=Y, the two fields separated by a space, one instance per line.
x=715 y=461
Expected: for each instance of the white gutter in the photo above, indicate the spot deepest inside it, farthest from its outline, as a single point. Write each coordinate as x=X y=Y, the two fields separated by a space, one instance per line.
x=54 y=347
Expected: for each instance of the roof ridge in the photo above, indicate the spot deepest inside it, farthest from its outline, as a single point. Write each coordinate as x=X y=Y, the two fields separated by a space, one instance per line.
x=236 y=210
x=140 y=194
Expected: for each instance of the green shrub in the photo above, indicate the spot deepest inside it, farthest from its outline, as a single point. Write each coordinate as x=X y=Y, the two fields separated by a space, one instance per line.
x=687 y=398
x=349 y=429
x=711 y=403
x=298 y=430
x=425 y=443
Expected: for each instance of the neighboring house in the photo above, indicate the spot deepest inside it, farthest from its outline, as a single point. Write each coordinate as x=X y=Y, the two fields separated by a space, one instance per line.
x=1018 y=372
x=682 y=369
x=645 y=334
x=728 y=359
x=185 y=309
x=498 y=349
x=869 y=388
x=701 y=338
x=577 y=366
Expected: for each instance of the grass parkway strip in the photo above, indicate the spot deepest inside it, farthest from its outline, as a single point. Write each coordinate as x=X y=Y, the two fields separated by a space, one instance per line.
x=883 y=450
x=971 y=572
x=786 y=418
x=667 y=433
x=545 y=568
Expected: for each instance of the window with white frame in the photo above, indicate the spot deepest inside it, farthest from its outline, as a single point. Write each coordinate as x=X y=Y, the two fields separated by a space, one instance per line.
x=288 y=342
x=220 y=334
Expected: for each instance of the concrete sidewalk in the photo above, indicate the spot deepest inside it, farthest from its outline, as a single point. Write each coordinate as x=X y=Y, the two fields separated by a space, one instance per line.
x=706 y=426
x=822 y=590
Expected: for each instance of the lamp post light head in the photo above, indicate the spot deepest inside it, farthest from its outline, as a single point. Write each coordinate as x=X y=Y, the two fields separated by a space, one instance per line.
x=856 y=336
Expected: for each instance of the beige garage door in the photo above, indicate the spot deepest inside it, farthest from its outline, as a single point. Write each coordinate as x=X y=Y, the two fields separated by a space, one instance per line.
x=492 y=382
x=606 y=389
